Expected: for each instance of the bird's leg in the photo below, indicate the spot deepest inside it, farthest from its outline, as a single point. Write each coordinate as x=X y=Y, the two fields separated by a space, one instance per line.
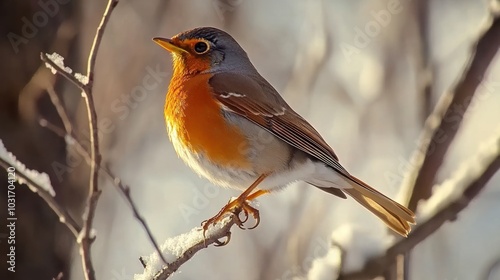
x=246 y=208
x=239 y=204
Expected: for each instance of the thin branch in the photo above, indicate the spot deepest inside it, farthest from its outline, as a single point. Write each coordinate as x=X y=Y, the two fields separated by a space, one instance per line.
x=125 y=190
x=477 y=176
x=59 y=276
x=97 y=39
x=441 y=127
x=86 y=239
x=213 y=237
x=61 y=111
x=68 y=76
x=425 y=69
x=64 y=217
x=121 y=188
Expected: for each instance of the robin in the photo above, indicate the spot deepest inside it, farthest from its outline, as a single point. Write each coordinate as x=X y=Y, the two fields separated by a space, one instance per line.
x=232 y=127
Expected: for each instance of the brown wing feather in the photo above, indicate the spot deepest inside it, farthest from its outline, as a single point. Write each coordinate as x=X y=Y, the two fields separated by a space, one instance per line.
x=260 y=103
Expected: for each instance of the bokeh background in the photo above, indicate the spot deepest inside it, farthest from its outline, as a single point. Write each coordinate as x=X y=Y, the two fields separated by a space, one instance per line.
x=365 y=73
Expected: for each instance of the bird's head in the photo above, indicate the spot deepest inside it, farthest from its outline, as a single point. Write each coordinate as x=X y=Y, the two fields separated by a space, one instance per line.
x=205 y=50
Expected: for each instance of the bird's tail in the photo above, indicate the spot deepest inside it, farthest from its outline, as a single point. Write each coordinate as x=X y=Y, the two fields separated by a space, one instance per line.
x=394 y=215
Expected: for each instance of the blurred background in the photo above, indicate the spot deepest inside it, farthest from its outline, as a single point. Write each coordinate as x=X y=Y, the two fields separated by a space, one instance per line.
x=365 y=73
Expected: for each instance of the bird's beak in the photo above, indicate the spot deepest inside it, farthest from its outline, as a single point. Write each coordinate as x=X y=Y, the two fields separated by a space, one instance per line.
x=169 y=45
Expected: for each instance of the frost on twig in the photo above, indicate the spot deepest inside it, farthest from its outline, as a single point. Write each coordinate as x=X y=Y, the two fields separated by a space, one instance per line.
x=178 y=250
x=59 y=61
x=38 y=183
x=40 y=180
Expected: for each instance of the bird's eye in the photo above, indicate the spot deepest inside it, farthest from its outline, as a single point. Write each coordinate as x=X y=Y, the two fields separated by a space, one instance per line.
x=200 y=47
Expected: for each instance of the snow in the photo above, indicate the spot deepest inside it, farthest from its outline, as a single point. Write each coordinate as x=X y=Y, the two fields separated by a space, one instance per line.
x=174 y=247
x=452 y=188
x=41 y=179
x=82 y=78
x=59 y=61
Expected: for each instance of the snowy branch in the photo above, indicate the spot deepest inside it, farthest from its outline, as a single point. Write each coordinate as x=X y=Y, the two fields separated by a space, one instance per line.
x=56 y=64
x=40 y=184
x=449 y=200
x=442 y=125
x=182 y=248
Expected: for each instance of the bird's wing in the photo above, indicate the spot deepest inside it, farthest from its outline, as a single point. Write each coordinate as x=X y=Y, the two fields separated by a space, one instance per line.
x=257 y=101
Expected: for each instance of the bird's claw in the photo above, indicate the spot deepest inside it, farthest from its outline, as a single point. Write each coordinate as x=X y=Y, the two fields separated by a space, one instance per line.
x=235 y=207
x=219 y=243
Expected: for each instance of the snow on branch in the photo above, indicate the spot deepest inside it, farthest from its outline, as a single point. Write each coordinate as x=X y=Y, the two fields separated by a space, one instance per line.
x=450 y=199
x=38 y=183
x=178 y=250
x=40 y=180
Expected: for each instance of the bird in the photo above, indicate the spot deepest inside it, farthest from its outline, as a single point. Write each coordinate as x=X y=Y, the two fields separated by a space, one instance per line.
x=231 y=126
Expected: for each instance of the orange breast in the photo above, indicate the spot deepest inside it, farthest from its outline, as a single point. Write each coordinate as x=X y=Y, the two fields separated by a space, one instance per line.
x=197 y=125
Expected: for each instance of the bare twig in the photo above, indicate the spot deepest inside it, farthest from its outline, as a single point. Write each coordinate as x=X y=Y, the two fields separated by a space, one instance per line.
x=85 y=237
x=122 y=188
x=442 y=126
x=125 y=190
x=476 y=181
x=61 y=212
x=213 y=236
x=59 y=276
x=97 y=40
x=60 y=110
x=425 y=69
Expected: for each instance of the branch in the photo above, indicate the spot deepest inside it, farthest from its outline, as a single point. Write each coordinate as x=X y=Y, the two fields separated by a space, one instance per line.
x=183 y=247
x=58 y=69
x=441 y=127
x=23 y=176
x=85 y=237
x=117 y=182
x=470 y=179
x=61 y=111
x=125 y=191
